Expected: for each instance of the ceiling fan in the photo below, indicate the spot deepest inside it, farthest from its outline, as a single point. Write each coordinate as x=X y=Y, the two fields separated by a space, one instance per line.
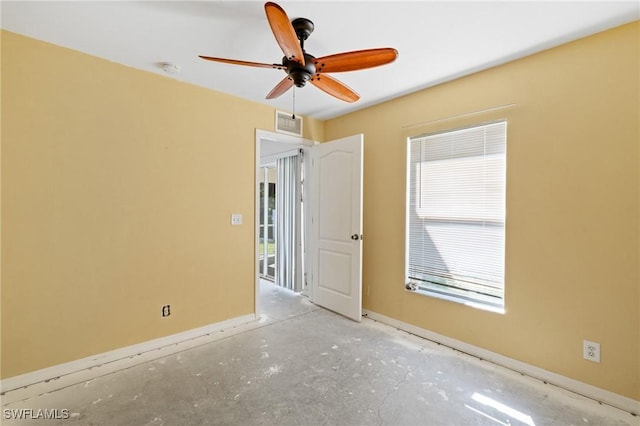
x=302 y=67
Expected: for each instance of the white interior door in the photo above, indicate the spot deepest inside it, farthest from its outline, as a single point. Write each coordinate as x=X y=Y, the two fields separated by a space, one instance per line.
x=336 y=229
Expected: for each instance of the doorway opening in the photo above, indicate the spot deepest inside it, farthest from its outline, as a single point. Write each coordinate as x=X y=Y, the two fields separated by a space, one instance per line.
x=279 y=217
x=332 y=272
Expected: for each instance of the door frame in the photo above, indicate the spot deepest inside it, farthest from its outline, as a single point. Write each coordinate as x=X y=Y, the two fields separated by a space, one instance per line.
x=295 y=142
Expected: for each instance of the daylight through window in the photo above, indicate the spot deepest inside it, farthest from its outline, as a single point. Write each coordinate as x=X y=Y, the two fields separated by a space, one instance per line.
x=456 y=214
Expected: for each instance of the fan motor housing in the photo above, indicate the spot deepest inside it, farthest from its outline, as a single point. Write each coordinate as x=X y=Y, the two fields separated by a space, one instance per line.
x=298 y=73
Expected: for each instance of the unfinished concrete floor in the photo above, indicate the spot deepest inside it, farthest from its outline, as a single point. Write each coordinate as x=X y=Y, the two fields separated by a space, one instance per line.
x=302 y=365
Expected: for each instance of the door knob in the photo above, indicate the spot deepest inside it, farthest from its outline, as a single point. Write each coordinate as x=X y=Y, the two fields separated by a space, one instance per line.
x=355 y=237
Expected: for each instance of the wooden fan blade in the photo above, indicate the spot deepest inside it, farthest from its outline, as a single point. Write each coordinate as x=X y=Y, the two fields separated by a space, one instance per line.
x=356 y=60
x=284 y=32
x=335 y=88
x=280 y=88
x=248 y=64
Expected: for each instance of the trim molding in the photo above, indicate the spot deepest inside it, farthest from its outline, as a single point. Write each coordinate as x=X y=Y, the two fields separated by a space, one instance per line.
x=601 y=395
x=63 y=375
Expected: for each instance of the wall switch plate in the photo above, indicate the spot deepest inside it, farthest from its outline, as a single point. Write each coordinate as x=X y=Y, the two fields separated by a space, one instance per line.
x=591 y=351
x=236 y=219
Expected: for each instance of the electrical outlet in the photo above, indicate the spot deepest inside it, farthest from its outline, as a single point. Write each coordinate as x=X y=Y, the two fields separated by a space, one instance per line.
x=591 y=351
x=166 y=310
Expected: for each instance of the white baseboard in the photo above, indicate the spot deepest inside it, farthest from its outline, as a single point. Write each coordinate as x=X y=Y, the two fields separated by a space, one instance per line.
x=61 y=375
x=601 y=395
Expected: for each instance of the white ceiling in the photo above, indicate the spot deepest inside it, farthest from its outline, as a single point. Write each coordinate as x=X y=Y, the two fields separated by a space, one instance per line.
x=436 y=40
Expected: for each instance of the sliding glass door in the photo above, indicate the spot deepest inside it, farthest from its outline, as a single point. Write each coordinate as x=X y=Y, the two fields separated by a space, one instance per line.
x=267 y=249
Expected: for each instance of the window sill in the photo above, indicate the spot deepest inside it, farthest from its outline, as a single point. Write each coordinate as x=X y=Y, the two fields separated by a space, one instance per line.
x=476 y=303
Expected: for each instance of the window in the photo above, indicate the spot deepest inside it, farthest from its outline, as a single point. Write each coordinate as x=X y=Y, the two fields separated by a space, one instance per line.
x=456 y=214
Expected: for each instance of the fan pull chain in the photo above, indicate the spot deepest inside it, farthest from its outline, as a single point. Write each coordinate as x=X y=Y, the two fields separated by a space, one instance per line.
x=293 y=116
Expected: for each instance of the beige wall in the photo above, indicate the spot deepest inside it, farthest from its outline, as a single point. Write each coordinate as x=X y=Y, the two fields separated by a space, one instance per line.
x=117 y=191
x=572 y=244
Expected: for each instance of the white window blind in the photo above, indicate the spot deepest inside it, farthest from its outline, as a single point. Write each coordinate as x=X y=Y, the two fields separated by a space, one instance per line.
x=456 y=212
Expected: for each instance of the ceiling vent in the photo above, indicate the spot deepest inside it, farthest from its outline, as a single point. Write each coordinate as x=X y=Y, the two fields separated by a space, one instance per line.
x=288 y=123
